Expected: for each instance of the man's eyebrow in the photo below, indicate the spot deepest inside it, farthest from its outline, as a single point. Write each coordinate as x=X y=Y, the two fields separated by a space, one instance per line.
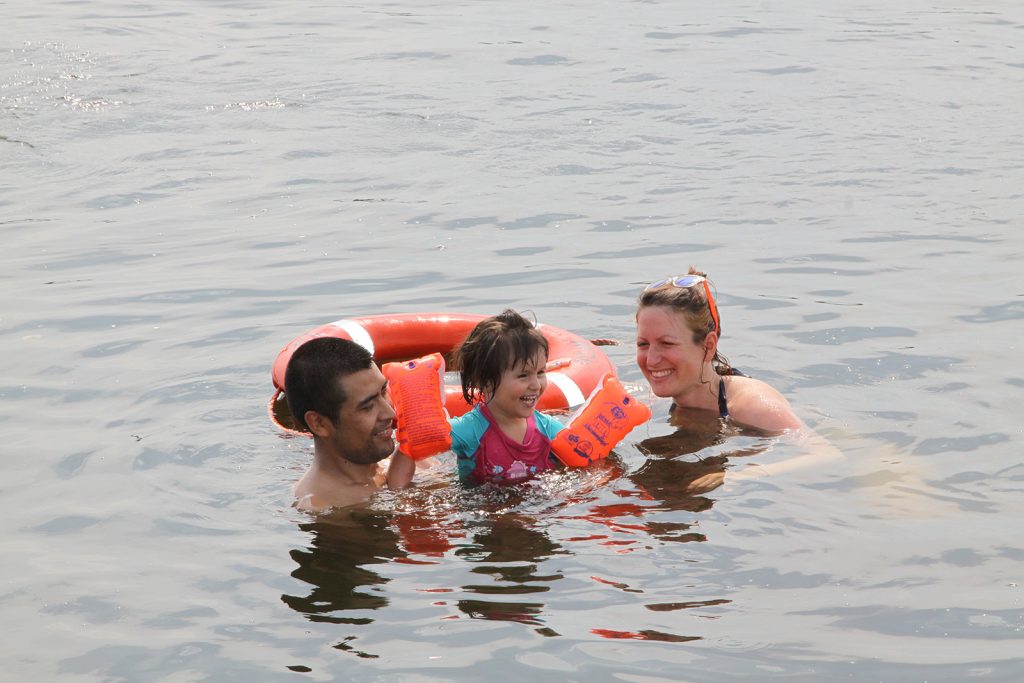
x=372 y=397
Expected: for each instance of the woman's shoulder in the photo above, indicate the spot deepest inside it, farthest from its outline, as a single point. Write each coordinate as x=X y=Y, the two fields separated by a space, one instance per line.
x=756 y=404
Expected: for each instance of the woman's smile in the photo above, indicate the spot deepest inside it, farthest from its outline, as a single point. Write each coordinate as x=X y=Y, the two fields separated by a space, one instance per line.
x=666 y=353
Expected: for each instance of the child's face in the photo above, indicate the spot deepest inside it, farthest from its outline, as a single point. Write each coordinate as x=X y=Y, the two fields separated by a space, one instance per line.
x=520 y=388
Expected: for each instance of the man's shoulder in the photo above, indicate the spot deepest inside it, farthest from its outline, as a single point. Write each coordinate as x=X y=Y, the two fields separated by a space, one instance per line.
x=316 y=492
x=347 y=496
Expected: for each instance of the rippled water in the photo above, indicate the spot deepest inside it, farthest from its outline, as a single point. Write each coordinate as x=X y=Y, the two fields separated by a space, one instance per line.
x=184 y=188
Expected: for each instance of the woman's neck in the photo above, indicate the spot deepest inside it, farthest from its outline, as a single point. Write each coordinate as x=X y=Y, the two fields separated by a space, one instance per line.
x=703 y=395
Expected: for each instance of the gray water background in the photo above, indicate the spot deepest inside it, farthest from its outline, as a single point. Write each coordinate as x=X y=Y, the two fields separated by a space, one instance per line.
x=185 y=187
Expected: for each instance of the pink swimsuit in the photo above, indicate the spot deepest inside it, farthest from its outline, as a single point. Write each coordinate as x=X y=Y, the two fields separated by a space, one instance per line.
x=487 y=454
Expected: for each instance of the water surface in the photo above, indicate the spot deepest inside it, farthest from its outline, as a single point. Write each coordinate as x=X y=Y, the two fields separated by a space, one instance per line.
x=187 y=187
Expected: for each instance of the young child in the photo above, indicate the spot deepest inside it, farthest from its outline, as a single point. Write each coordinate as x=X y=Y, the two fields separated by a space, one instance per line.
x=503 y=439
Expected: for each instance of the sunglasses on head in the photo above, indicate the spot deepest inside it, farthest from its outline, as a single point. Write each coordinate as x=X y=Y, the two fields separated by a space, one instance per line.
x=685 y=282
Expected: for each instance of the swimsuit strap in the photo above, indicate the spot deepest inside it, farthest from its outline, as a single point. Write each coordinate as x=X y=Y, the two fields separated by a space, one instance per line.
x=723 y=408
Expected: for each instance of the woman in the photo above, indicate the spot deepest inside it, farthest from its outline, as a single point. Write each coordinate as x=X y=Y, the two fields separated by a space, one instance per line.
x=677 y=333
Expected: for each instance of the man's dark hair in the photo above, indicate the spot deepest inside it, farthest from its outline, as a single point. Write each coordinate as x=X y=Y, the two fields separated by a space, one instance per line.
x=315 y=371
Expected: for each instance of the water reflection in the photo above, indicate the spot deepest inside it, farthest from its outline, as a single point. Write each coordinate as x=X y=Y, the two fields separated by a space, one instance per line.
x=678 y=482
x=500 y=535
x=505 y=550
x=680 y=470
x=508 y=551
x=645 y=634
x=336 y=565
x=427 y=532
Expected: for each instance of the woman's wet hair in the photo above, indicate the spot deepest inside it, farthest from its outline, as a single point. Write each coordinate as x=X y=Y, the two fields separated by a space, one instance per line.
x=692 y=304
x=496 y=344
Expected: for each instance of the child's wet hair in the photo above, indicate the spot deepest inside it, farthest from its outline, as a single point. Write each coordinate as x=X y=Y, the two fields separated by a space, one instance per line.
x=496 y=344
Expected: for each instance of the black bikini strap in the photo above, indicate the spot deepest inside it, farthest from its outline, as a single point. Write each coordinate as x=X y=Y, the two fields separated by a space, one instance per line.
x=723 y=408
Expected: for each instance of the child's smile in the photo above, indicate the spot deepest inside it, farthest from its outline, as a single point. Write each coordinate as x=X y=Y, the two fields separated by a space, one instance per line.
x=519 y=390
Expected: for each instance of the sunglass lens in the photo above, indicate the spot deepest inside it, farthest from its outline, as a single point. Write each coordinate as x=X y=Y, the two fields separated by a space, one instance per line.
x=684 y=281
x=659 y=283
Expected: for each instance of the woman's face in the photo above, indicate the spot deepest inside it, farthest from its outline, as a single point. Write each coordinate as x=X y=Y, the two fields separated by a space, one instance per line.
x=666 y=353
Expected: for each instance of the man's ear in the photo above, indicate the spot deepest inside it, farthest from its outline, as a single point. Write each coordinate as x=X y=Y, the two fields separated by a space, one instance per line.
x=319 y=424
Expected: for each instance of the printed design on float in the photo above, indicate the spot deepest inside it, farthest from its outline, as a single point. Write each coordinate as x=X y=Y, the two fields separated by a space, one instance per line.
x=417 y=392
x=609 y=414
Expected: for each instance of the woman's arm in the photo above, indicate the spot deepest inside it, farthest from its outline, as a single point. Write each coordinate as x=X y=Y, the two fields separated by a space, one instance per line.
x=817 y=450
x=762 y=407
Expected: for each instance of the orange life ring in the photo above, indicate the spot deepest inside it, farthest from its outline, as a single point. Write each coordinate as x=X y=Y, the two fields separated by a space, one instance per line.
x=575 y=366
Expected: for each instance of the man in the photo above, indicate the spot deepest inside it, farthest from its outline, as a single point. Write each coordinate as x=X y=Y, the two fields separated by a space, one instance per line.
x=335 y=391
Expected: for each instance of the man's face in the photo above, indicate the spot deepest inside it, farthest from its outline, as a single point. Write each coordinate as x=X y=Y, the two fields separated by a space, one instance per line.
x=364 y=433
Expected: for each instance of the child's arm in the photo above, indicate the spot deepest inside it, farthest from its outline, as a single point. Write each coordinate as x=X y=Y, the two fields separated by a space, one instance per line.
x=400 y=470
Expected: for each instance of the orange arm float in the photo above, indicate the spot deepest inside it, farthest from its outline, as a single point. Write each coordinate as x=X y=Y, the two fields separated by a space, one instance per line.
x=609 y=414
x=417 y=391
